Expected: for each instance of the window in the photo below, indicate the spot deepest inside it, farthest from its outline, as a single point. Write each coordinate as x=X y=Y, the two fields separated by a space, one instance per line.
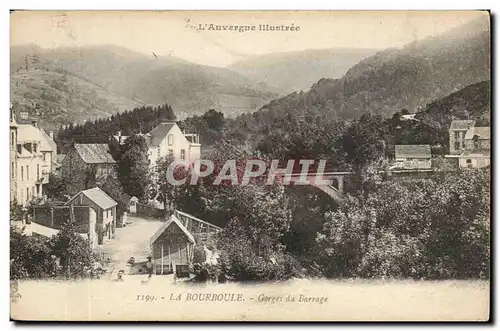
x=183 y=154
x=170 y=152
x=12 y=170
x=170 y=139
x=34 y=148
x=44 y=157
x=22 y=173
x=27 y=172
x=33 y=191
x=468 y=161
x=13 y=140
x=38 y=171
x=457 y=145
x=27 y=193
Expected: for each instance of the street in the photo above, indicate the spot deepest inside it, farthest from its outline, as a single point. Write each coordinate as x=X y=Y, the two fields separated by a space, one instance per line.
x=130 y=241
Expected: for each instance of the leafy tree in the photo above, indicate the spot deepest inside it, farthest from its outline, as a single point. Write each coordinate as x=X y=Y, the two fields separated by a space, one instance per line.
x=363 y=141
x=133 y=167
x=113 y=188
x=57 y=187
x=73 y=251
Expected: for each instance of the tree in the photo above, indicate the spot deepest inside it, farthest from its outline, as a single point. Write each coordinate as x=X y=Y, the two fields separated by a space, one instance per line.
x=57 y=187
x=133 y=167
x=363 y=141
x=113 y=188
x=73 y=251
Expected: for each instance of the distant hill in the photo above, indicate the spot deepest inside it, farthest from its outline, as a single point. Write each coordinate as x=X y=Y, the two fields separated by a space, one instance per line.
x=393 y=79
x=101 y=80
x=299 y=70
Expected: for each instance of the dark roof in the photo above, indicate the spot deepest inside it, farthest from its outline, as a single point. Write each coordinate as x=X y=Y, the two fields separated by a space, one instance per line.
x=159 y=132
x=461 y=124
x=98 y=196
x=94 y=153
x=413 y=151
x=483 y=132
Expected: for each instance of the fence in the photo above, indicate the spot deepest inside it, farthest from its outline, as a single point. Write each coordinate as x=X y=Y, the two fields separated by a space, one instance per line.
x=54 y=216
x=149 y=211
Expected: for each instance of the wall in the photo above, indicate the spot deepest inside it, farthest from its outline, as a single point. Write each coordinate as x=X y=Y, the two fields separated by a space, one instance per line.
x=13 y=164
x=55 y=216
x=149 y=211
x=105 y=225
x=77 y=172
x=26 y=185
x=179 y=142
x=176 y=249
x=461 y=135
x=479 y=162
x=415 y=163
x=482 y=144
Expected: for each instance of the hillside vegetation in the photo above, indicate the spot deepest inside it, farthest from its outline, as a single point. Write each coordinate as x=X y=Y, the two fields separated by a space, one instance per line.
x=72 y=84
x=393 y=79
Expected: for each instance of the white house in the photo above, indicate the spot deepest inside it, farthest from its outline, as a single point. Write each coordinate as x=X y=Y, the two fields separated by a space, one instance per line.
x=469 y=144
x=413 y=156
x=35 y=151
x=167 y=139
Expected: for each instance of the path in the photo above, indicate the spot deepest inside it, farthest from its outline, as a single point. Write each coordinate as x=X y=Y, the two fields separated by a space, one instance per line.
x=130 y=241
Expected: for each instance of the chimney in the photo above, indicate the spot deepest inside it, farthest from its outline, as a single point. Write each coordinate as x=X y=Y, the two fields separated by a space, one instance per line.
x=51 y=135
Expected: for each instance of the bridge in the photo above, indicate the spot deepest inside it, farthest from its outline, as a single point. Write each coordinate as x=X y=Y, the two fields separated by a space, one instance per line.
x=332 y=182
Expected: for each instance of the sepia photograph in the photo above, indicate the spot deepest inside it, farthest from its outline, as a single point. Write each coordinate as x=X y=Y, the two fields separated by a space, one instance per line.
x=250 y=166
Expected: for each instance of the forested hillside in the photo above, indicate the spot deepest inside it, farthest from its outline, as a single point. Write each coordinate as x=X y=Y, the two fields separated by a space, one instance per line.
x=400 y=78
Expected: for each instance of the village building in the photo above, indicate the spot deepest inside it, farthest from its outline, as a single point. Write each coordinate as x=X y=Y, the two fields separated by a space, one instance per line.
x=412 y=157
x=457 y=132
x=469 y=144
x=47 y=221
x=167 y=139
x=172 y=246
x=86 y=165
x=35 y=151
x=13 y=158
x=104 y=207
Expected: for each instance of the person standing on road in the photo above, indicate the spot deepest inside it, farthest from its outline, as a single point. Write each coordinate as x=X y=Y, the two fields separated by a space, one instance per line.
x=149 y=267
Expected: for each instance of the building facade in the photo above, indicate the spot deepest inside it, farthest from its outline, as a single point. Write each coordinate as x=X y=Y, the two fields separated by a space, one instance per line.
x=86 y=165
x=168 y=139
x=457 y=132
x=34 y=153
x=105 y=210
x=13 y=158
x=413 y=157
x=469 y=144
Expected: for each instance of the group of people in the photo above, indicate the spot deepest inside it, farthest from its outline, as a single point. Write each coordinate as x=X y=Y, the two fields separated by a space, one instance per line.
x=149 y=269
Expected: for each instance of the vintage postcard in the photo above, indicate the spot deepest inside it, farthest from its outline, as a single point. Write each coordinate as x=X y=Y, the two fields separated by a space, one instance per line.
x=250 y=165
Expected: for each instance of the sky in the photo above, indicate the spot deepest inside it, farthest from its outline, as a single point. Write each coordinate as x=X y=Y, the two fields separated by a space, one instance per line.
x=178 y=34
